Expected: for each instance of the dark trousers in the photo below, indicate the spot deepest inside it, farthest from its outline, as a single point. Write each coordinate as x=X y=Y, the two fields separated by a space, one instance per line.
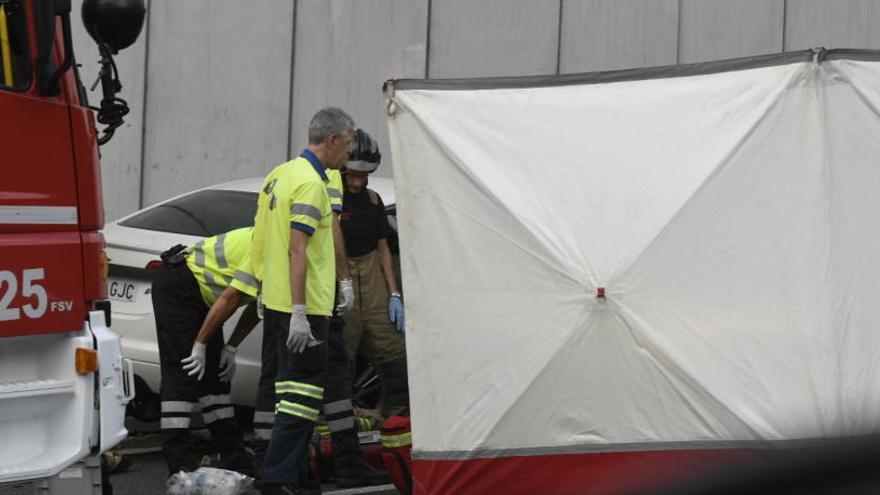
x=179 y=312
x=337 y=408
x=264 y=405
x=299 y=385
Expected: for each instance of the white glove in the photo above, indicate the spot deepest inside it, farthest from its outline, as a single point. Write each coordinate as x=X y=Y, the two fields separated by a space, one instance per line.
x=227 y=363
x=260 y=306
x=300 y=334
x=195 y=363
x=346 y=296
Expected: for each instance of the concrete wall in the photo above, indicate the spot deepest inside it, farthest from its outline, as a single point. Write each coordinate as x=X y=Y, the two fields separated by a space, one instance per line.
x=493 y=38
x=716 y=29
x=220 y=90
x=345 y=50
x=608 y=35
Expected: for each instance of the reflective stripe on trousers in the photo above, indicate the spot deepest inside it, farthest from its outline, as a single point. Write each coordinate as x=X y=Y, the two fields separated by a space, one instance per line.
x=216 y=407
x=176 y=414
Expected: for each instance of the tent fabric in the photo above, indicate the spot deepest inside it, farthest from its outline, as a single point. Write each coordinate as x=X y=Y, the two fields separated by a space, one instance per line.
x=728 y=216
x=576 y=474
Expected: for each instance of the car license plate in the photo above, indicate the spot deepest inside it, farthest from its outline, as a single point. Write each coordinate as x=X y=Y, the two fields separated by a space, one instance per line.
x=122 y=290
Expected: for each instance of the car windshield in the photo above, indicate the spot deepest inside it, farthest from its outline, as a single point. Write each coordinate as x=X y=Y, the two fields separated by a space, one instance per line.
x=203 y=213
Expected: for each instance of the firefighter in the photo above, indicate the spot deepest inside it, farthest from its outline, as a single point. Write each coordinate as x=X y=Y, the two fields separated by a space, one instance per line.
x=350 y=469
x=375 y=326
x=295 y=261
x=197 y=372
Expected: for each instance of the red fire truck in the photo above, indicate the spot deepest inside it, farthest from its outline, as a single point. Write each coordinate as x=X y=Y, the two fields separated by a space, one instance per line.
x=63 y=382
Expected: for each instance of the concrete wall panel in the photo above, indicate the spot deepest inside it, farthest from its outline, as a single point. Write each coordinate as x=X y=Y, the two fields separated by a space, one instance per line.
x=121 y=157
x=618 y=34
x=219 y=78
x=471 y=38
x=719 y=29
x=837 y=24
x=218 y=84
x=345 y=50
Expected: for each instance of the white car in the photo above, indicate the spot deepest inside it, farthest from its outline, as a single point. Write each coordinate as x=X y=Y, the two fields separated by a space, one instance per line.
x=133 y=247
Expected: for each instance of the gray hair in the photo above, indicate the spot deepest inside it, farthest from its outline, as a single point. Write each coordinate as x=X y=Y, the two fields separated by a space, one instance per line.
x=327 y=121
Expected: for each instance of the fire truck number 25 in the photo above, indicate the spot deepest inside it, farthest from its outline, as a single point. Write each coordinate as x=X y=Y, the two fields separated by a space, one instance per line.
x=30 y=289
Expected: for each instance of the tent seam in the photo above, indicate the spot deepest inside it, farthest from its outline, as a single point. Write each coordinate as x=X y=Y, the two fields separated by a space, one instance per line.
x=725 y=162
x=488 y=191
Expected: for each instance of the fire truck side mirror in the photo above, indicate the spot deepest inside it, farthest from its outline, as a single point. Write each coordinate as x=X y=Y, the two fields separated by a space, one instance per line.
x=115 y=23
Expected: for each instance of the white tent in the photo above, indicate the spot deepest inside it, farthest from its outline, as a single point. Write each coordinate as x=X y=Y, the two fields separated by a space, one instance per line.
x=730 y=213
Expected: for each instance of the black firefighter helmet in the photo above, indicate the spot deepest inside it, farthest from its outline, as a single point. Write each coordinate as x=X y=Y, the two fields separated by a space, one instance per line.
x=363 y=154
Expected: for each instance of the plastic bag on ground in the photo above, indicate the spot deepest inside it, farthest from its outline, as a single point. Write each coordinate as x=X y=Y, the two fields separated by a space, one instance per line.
x=208 y=481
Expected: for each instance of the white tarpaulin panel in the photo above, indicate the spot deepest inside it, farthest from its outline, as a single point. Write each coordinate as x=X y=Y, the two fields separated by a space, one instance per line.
x=731 y=218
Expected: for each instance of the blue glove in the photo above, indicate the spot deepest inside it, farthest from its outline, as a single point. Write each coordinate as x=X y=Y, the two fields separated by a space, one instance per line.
x=395 y=311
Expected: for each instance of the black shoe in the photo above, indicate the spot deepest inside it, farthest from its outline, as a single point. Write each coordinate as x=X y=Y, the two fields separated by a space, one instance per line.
x=239 y=461
x=288 y=490
x=359 y=473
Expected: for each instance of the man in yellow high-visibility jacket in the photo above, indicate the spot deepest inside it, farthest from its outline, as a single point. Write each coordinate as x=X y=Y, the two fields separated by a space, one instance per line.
x=212 y=277
x=294 y=258
x=349 y=467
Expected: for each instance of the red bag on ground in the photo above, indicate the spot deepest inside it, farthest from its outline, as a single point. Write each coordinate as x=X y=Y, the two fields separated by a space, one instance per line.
x=396 y=452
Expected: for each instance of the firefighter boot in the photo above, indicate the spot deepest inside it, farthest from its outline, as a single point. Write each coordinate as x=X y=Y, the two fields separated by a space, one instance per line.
x=351 y=468
x=288 y=490
x=395 y=388
x=237 y=460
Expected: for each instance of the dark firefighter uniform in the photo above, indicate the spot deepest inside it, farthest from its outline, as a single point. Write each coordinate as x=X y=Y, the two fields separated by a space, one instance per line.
x=184 y=288
x=367 y=328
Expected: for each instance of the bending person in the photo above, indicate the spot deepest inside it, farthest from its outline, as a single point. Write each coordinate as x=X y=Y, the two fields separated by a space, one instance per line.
x=185 y=288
